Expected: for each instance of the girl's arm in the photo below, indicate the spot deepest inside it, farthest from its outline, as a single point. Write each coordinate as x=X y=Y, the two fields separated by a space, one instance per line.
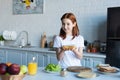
x=59 y=53
x=78 y=52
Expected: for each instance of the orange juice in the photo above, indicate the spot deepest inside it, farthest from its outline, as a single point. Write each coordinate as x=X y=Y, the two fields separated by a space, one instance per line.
x=32 y=68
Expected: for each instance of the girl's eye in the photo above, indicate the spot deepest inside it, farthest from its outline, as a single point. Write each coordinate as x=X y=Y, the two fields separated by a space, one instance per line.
x=68 y=24
x=63 y=23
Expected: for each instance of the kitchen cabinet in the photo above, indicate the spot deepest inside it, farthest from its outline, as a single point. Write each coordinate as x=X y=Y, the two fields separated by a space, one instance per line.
x=92 y=61
x=16 y=56
x=41 y=58
x=24 y=57
x=30 y=56
x=44 y=56
x=87 y=61
x=2 y=56
x=51 y=57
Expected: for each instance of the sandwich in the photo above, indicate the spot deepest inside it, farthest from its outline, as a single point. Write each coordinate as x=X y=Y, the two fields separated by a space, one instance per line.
x=107 y=69
x=102 y=65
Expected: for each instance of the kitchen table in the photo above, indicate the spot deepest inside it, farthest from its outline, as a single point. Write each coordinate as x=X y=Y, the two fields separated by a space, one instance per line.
x=42 y=75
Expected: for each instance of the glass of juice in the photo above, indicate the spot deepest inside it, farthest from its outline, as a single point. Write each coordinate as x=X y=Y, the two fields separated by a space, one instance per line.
x=32 y=67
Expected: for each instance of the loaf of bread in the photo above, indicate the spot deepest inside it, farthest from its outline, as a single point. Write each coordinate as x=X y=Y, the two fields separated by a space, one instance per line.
x=87 y=75
x=69 y=47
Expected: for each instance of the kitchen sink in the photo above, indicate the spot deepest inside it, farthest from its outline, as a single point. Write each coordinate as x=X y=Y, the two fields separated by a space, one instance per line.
x=15 y=46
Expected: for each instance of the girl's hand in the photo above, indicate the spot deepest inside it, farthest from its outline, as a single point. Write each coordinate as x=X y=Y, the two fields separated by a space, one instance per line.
x=63 y=49
x=74 y=49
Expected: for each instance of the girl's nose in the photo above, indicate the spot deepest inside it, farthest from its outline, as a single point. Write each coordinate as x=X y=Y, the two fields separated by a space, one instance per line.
x=65 y=26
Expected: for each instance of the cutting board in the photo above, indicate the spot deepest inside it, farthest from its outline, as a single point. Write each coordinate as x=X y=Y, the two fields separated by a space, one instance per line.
x=78 y=69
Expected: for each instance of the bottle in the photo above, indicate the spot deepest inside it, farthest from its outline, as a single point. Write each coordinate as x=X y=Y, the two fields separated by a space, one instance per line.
x=46 y=45
x=32 y=67
x=43 y=40
x=63 y=72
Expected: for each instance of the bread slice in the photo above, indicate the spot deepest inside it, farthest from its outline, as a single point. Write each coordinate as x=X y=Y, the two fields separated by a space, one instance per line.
x=68 y=47
x=87 y=75
x=102 y=65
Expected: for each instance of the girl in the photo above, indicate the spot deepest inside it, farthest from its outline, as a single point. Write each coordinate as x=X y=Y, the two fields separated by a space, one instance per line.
x=69 y=35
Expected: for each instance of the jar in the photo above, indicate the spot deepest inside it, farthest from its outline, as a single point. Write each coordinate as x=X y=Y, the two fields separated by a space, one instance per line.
x=63 y=72
x=94 y=50
x=32 y=66
x=89 y=47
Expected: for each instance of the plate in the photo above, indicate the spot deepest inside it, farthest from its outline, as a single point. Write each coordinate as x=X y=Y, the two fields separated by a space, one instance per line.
x=117 y=70
x=49 y=71
x=79 y=69
x=86 y=77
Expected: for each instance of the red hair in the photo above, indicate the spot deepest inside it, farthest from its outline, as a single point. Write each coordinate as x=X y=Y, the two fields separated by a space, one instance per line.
x=75 y=31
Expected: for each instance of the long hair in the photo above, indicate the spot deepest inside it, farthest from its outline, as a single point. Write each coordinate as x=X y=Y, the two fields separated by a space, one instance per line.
x=75 y=31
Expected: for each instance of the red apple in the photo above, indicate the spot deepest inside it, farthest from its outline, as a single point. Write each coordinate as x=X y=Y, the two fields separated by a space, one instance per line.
x=3 y=68
x=13 y=69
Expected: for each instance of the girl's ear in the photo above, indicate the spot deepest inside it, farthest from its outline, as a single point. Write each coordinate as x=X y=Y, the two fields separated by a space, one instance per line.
x=74 y=24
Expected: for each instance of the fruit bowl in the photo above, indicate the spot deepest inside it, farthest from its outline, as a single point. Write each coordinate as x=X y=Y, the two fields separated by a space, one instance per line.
x=12 y=71
x=12 y=77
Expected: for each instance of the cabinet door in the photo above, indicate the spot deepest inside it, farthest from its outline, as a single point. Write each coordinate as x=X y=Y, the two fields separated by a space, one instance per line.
x=92 y=61
x=97 y=61
x=18 y=57
x=2 y=56
x=30 y=56
x=51 y=58
x=42 y=59
x=87 y=62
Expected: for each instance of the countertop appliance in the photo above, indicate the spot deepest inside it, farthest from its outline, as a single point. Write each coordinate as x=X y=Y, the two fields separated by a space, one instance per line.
x=103 y=47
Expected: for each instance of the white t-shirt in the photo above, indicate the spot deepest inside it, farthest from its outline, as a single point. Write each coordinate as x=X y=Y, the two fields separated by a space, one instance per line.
x=69 y=58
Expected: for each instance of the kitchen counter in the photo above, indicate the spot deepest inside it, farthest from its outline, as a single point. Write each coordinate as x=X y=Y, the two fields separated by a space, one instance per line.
x=48 y=50
x=44 y=56
x=41 y=75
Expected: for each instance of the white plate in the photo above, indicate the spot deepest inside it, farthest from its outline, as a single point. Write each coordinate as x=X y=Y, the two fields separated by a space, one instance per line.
x=49 y=71
x=9 y=35
x=5 y=34
x=85 y=77
x=13 y=35
x=117 y=70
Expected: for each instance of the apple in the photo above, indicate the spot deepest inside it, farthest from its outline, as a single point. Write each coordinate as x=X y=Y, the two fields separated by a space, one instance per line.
x=3 y=68
x=13 y=69
x=23 y=69
x=7 y=74
x=20 y=73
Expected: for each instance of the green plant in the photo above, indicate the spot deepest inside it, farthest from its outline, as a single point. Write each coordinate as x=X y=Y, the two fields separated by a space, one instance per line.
x=1 y=38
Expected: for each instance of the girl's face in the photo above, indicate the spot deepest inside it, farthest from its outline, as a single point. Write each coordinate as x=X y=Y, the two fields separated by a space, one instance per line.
x=67 y=26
